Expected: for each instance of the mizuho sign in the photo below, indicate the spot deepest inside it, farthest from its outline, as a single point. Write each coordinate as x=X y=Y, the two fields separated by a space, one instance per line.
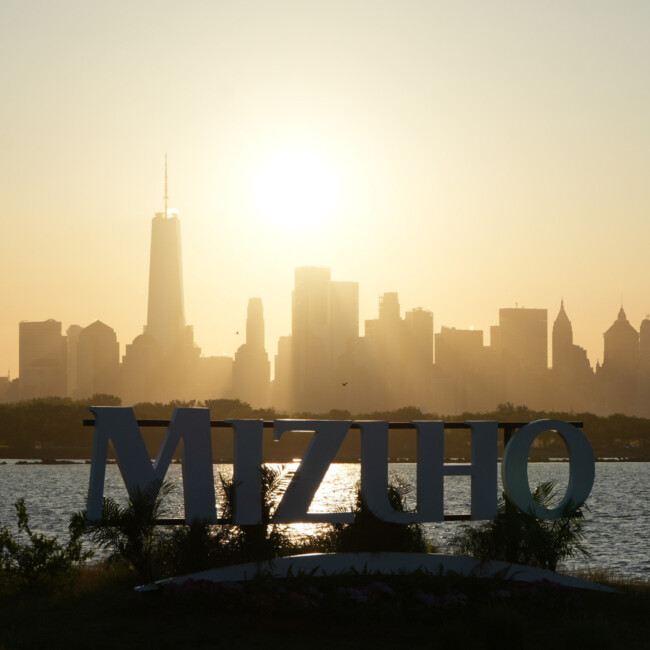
x=192 y=426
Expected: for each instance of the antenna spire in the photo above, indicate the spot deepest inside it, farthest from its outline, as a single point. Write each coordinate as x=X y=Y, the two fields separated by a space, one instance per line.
x=165 y=185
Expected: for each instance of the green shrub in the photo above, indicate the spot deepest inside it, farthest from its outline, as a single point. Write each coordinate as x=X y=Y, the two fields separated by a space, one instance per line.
x=40 y=560
x=522 y=538
x=195 y=547
x=129 y=533
x=263 y=541
x=368 y=533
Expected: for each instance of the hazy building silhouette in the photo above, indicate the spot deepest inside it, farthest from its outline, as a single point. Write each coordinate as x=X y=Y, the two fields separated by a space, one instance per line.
x=644 y=344
x=165 y=312
x=394 y=359
x=325 y=321
x=251 y=371
x=282 y=384
x=42 y=360
x=213 y=377
x=562 y=341
x=621 y=350
x=463 y=380
x=572 y=377
x=642 y=407
x=72 y=336
x=177 y=366
x=345 y=338
x=521 y=337
x=383 y=354
x=618 y=375
x=311 y=339
x=142 y=370
x=417 y=358
x=98 y=361
x=8 y=389
x=344 y=318
x=519 y=349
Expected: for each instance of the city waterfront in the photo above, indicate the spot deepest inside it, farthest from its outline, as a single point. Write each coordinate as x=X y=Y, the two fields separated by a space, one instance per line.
x=618 y=521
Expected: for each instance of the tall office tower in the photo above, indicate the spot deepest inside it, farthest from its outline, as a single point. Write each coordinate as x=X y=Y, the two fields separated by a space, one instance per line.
x=562 y=340
x=282 y=385
x=5 y=389
x=521 y=336
x=572 y=376
x=165 y=322
x=142 y=371
x=166 y=312
x=458 y=351
x=255 y=324
x=344 y=297
x=643 y=405
x=42 y=360
x=311 y=338
x=72 y=334
x=462 y=372
x=617 y=377
x=98 y=361
x=251 y=371
x=644 y=344
x=213 y=377
x=417 y=358
x=325 y=326
x=384 y=352
x=621 y=352
x=519 y=347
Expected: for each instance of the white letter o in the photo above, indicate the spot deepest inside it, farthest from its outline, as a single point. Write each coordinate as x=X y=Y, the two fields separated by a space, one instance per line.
x=514 y=468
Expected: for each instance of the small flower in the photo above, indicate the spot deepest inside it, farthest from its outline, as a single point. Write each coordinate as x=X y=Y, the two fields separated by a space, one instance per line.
x=381 y=588
x=355 y=595
x=426 y=598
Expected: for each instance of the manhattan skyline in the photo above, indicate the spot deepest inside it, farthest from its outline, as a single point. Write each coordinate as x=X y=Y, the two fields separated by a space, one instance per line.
x=468 y=157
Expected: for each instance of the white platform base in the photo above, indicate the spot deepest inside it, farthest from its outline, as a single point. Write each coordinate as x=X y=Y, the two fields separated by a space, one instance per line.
x=327 y=564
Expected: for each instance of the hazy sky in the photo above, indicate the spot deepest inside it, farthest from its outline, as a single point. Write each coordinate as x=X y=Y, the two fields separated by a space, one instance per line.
x=469 y=154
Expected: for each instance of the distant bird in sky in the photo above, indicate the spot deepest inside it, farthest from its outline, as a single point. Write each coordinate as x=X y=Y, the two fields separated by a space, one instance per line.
x=237 y=332
x=344 y=383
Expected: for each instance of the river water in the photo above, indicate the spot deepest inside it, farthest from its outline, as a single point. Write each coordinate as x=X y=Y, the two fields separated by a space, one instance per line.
x=617 y=522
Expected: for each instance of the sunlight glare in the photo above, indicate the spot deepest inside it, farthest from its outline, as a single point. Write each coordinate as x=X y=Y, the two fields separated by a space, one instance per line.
x=296 y=189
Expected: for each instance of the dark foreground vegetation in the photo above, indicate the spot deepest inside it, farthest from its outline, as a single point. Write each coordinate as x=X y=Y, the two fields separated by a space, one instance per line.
x=52 y=428
x=97 y=608
x=50 y=597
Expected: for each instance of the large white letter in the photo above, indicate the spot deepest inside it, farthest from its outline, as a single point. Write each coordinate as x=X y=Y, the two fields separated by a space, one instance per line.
x=327 y=438
x=374 y=472
x=514 y=468
x=431 y=470
x=247 y=471
x=118 y=424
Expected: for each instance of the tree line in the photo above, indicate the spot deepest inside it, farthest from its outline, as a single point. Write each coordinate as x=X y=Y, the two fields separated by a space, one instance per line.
x=53 y=428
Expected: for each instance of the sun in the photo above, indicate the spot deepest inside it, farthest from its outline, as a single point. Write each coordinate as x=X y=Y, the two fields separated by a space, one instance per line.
x=296 y=189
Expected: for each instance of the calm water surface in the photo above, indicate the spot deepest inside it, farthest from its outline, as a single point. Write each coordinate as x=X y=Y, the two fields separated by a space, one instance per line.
x=617 y=530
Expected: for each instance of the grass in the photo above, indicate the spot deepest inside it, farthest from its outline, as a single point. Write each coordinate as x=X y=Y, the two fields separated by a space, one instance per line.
x=97 y=607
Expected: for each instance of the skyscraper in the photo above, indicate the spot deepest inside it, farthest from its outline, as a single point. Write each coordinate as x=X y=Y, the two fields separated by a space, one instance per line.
x=171 y=357
x=325 y=324
x=166 y=311
x=521 y=336
x=98 y=361
x=617 y=377
x=251 y=372
x=42 y=360
x=562 y=340
x=519 y=349
x=572 y=377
